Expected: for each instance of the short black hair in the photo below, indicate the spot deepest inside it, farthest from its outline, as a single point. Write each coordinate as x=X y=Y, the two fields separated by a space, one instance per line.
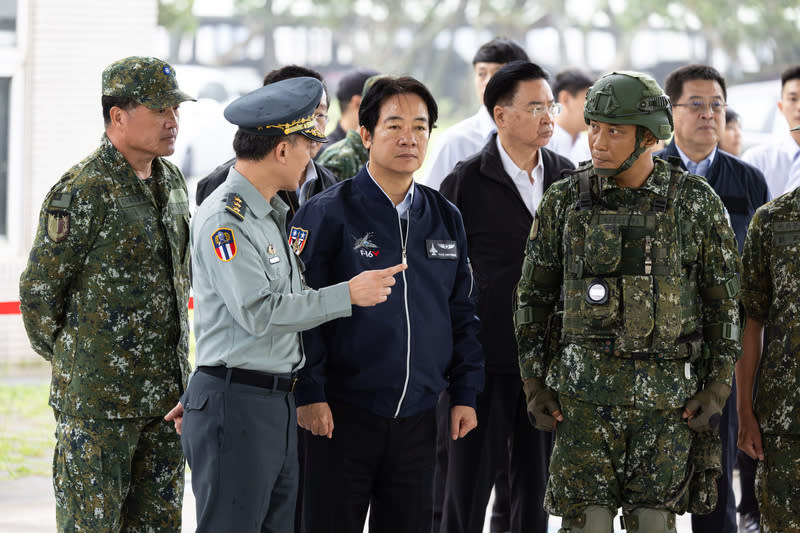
x=572 y=81
x=500 y=50
x=791 y=73
x=125 y=103
x=254 y=147
x=352 y=83
x=388 y=86
x=673 y=85
x=295 y=71
x=502 y=87
x=732 y=116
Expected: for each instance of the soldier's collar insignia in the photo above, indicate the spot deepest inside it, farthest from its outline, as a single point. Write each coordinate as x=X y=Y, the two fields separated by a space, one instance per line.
x=224 y=244
x=57 y=225
x=236 y=205
x=298 y=237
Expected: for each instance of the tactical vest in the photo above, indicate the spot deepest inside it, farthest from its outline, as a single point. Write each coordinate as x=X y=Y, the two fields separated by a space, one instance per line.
x=625 y=286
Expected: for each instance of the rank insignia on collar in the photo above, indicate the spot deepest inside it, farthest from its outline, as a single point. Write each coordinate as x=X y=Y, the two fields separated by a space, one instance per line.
x=224 y=244
x=236 y=205
x=57 y=225
x=297 y=239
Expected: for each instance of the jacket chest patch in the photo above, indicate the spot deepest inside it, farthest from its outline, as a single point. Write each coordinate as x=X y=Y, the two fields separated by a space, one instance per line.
x=441 y=249
x=366 y=246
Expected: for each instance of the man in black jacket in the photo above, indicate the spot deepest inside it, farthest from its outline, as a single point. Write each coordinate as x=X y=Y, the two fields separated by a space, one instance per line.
x=316 y=179
x=498 y=191
x=698 y=93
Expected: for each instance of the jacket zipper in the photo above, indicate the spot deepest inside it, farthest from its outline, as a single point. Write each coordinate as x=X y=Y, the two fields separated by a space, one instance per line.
x=404 y=243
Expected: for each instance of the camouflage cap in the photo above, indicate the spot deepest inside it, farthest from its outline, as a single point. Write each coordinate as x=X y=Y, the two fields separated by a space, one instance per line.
x=280 y=108
x=148 y=80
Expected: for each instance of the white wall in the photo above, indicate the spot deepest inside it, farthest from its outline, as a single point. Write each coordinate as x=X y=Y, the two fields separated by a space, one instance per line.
x=63 y=47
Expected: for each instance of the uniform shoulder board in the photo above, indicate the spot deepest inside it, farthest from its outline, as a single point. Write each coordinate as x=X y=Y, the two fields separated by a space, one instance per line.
x=236 y=205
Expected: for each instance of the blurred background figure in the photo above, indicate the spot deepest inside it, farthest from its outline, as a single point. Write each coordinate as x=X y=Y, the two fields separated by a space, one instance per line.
x=731 y=139
x=569 y=132
x=348 y=93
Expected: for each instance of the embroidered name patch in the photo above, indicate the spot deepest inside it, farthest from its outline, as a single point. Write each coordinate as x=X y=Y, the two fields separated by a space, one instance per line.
x=438 y=249
x=297 y=239
x=224 y=243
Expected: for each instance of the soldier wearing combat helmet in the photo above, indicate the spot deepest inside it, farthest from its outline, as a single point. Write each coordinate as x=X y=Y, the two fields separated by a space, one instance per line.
x=104 y=299
x=627 y=322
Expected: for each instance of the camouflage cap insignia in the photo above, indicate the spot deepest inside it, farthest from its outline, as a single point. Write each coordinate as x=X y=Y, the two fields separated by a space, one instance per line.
x=224 y=244
x=57 y=225
x=236 y=205
x=297 y=239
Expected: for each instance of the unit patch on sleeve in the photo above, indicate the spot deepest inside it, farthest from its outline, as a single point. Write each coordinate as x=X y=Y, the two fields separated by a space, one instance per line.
x=297 y=239
x=57 y=225
x=224 y=243
x=438 y=249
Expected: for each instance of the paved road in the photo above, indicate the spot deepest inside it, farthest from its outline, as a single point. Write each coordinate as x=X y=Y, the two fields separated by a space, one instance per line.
x=27 y=506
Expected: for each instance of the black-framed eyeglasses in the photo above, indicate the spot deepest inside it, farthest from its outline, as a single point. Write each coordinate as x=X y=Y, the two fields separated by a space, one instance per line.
x=699 y=106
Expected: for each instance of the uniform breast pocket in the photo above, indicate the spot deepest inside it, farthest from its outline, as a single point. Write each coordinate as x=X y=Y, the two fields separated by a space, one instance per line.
x=277 y=272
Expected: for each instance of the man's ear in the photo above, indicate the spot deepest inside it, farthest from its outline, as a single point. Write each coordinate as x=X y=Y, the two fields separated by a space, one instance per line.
x=499 y=114
x=281 y=151
x=649 y=139
x=117 y=115
x=366 y=138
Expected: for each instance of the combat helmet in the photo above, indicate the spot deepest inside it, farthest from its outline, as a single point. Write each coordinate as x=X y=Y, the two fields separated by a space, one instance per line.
x=627 y=97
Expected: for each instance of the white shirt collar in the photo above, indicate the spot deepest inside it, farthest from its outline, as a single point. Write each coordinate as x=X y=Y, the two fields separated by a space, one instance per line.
x=700 y=167
x=531 y=192
x=403 y=207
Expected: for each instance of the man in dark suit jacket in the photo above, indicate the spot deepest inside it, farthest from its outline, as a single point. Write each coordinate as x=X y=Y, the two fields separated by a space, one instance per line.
x=698 y=94
x=497 y=191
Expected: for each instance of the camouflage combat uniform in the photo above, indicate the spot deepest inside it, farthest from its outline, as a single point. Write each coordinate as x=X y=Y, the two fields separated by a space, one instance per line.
x=770 y=285
x=104 y=299
x=346 y=157
x=657 y=258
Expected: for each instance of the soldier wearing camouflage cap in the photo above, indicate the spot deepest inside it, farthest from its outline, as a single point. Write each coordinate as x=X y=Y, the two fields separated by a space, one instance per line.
x=627 y=322
x=770 y=430
x=104 y=299
x=251 y=301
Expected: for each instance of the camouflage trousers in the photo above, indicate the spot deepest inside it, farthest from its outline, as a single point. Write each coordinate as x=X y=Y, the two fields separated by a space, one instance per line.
x=117 y=475
x=616 y=456
x=778 y=483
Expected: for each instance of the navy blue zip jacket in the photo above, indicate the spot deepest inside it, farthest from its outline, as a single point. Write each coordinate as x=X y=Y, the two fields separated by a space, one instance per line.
x=740 y=185
x=395 y=358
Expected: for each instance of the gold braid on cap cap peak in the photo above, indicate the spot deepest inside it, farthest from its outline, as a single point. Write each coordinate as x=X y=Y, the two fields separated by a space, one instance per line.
x=301 y=124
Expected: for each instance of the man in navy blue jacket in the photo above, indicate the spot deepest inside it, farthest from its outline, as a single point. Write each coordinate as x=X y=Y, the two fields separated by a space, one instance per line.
x=369 y=389
x=698 y=94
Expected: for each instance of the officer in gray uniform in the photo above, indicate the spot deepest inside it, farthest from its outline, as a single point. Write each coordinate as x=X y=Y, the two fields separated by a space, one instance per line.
x=238 y=418
x=104 y=299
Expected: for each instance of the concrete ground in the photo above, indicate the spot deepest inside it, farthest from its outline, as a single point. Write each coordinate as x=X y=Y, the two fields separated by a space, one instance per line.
x=27 y=506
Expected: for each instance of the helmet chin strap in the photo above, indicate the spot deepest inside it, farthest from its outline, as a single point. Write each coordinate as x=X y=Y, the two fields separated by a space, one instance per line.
x=639 y=150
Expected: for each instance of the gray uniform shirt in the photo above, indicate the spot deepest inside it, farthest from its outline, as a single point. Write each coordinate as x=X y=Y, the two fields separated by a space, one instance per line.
x=250 y=299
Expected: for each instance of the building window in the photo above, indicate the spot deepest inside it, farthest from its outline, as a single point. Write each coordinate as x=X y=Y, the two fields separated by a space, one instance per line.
x=8 y=22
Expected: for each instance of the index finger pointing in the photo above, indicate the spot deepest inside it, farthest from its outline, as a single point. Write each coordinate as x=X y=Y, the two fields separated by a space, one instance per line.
x=391 y=271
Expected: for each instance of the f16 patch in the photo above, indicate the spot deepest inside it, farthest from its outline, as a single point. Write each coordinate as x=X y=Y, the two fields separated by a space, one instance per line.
x=297 y=239
x=224 y=243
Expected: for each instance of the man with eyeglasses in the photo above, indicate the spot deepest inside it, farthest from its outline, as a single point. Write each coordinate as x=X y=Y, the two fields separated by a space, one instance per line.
x=698 y=94
x=512 y=171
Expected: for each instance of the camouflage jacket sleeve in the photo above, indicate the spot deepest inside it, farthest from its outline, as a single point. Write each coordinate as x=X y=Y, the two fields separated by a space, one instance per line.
x=540 y=285
x=68 y=223
x=756 y=275
x=718 y=268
